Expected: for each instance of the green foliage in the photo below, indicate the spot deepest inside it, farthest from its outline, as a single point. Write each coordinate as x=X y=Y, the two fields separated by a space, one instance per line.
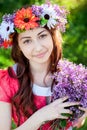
x=62 y=123
x=8 y=6
x=13 y=125
x=5 y=58
x=75 y=39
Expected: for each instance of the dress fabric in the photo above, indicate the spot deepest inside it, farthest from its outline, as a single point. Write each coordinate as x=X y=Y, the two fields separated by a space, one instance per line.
x=8 y=88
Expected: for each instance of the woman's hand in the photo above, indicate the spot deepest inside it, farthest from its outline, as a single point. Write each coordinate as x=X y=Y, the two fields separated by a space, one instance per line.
x=55 y=109
x=81 y=120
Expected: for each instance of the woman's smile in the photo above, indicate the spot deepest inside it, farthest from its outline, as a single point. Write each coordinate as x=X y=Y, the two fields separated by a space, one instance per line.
x=40 y=55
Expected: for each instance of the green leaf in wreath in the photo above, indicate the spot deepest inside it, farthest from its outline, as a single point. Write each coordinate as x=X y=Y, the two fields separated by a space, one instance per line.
x=43 y=21
x=19 y=31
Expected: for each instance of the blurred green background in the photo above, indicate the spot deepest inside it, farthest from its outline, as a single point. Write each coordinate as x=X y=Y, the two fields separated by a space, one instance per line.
x=75 y=38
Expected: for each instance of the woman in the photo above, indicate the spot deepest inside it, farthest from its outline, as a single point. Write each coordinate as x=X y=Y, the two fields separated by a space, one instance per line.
x=25 y=88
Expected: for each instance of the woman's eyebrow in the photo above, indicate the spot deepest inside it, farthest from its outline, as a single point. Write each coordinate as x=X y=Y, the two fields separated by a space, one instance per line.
x=41 y=32
x=25 y=37
x=30 y=37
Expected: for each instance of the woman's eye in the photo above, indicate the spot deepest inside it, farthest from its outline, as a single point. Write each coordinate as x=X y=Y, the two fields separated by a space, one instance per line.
x=43 y=36
x=27 y=41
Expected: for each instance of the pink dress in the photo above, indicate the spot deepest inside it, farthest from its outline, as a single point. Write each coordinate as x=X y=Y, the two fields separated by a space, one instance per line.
x=8 y=88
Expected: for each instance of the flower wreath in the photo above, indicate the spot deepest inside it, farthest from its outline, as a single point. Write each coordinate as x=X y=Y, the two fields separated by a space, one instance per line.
x=52 y=16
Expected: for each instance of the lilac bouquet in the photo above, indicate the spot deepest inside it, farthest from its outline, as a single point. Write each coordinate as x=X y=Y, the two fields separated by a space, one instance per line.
x=71 y=81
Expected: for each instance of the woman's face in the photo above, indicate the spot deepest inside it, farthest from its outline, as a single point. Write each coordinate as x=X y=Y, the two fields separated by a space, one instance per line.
x=36 y=45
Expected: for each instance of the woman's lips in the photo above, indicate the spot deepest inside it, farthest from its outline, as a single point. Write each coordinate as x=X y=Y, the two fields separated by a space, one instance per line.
x=40 y=55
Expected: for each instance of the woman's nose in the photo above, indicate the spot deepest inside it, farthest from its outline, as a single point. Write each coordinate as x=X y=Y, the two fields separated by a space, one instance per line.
x=38 y=46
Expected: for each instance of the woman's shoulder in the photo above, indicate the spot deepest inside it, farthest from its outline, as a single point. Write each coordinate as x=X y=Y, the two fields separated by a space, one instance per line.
x=8 y=85
x=4 y=74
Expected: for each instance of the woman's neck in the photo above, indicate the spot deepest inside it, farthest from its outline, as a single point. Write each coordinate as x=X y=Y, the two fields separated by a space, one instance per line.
x=37 y=68
x=39 y=72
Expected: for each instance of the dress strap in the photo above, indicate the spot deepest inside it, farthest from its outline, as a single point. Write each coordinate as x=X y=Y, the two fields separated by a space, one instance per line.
x=14 y=67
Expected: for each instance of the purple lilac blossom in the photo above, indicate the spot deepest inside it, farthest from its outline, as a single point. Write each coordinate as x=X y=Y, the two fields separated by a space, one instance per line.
x=9 y=17
x=61 y=12
x=71 y=81
x=37 y=10
x=61 y=26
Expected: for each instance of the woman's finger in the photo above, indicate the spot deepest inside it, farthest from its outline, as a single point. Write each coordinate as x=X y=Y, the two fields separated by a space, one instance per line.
x=67 y=111
x=83 y=109
x=60 y=100
x=62 y=117
x=68 y=104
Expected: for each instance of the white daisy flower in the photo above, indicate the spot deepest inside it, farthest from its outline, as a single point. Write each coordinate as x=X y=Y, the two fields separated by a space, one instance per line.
x=6 y=29
x=50 y=14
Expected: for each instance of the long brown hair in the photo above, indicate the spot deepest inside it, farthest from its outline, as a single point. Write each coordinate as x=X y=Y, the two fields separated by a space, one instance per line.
x=22 y=100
